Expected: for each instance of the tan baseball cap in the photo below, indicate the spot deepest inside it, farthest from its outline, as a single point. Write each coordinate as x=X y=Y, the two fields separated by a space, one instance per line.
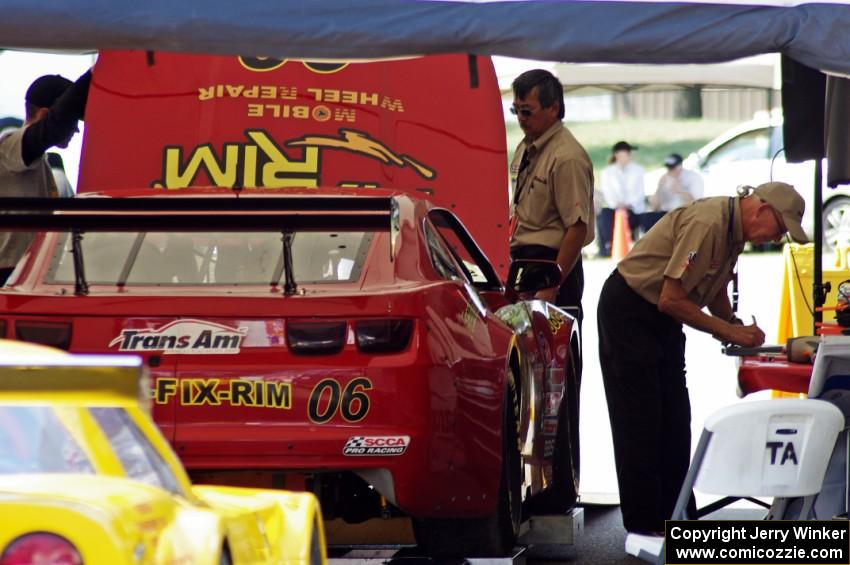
x=788 y=203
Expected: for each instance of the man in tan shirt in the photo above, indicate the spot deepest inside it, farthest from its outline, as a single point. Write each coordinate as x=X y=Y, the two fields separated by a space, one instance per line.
x=552 y=218
x=552 y=181
x=681 y=266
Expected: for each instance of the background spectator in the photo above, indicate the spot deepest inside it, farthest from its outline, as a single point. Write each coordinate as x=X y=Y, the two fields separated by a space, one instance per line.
x=53 y=106
x=677 y=187
x=622 y=187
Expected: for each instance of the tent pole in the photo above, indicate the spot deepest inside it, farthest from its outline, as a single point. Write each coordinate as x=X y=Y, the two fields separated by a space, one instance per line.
x=818 y=289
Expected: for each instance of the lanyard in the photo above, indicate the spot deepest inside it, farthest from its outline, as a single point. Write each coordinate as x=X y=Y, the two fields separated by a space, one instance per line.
x=734 y=267
x=523 y=165
x=513 y=219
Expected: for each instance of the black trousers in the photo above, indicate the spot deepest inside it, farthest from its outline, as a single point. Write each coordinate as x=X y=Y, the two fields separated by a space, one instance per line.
x=642 y=354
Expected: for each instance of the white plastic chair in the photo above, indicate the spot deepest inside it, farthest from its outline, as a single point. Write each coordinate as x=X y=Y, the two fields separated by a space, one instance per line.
x=769 y=448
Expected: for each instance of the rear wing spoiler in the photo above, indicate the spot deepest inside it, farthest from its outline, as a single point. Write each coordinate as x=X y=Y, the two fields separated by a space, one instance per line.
x=286 y=215
x=105 y=379
x=191 y=214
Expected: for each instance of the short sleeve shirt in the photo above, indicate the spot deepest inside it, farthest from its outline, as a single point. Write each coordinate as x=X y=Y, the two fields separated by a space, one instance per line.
x=693 y=244
x=554 y=191
x=689 y=181
x=20 y=180
x=624 y=187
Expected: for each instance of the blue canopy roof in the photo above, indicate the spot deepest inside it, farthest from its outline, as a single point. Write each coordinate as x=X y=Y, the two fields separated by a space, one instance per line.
x=814 y=34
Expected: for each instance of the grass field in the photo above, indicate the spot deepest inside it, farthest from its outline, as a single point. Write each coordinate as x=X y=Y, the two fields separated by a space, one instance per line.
x=655 y=138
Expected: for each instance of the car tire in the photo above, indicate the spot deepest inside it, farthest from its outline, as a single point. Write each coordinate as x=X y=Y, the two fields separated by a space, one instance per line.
x=561 y=496
x=836 y=223
x=493 y=536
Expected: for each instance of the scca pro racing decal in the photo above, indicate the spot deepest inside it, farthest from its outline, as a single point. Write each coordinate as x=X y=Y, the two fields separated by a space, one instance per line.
x=195 y=337
x=376 y=445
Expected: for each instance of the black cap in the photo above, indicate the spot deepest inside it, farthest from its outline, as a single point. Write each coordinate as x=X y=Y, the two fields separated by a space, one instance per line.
x=623 y=146
x=44 y=90
x=673 y=160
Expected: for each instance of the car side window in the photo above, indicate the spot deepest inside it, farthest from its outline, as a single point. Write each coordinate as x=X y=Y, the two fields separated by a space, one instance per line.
x=139 y=458
x=34 y=440
x=440 y=256
x=461 y=255
x=748 y=146
x=476 y=268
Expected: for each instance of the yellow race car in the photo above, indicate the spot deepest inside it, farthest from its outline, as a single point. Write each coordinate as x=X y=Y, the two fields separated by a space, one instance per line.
x=87 y=478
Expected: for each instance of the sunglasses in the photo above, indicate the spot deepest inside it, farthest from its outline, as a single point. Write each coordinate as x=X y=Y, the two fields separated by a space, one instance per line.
x=524 y=112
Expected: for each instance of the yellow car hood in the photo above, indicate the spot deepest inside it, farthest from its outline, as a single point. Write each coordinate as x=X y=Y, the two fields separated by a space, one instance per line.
x=114 y=497
x=137 y=518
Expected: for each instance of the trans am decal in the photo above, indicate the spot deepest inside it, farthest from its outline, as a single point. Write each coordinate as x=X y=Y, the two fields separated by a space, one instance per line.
x=193 y=337
x=376 y=445
x=261 y=162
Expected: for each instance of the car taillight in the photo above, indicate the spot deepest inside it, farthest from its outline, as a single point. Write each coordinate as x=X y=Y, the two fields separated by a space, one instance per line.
x=383 y=336
x=54 y=334
x=41 y=548
x=315 y=338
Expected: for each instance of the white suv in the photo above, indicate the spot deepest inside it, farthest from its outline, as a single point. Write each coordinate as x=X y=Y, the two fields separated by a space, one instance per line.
x=743 y=155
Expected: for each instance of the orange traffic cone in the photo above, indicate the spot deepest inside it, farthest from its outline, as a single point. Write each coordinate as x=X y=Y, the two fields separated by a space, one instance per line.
x=621 y=241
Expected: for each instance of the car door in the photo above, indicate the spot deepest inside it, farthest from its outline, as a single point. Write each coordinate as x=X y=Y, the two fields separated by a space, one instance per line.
x=485 y=285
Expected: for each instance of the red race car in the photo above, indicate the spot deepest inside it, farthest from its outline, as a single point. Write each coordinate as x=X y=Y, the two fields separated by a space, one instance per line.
x=353 y=341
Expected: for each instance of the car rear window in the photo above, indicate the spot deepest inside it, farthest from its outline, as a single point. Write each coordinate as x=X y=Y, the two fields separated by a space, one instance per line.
x=34 y=440
x=140 y=459
x=210 y=258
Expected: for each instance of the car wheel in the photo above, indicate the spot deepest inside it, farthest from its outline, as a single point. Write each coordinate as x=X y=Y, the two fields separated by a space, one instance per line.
x=493 y=536
x=836 y=223
x=562 y=494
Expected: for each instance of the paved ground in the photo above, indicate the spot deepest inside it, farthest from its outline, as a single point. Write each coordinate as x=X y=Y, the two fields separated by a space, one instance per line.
x=603 y=540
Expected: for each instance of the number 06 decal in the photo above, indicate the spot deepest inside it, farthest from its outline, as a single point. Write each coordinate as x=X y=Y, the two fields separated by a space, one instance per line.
x=328 y=397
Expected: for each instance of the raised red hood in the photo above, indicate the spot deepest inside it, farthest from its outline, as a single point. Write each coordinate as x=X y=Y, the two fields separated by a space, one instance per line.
x=431 y=126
